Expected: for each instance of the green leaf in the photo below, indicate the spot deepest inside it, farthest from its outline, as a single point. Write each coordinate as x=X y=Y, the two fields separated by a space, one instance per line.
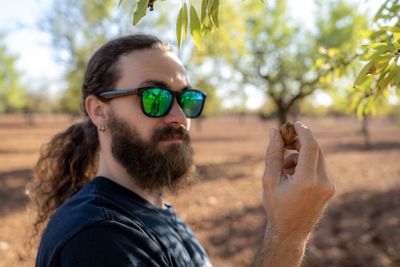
x=140 y=11
x=374 y=66
x=389 y=76
x=382 y=62
x=204 y=6
x=379 y=46
x=120 y=2
x=391 y=29
x=179 y=27
x=370 y=106
x=195 y=26
x=397 y=82
x=214 y=12
x=185 y=20
x=355 y=100
x=362 y=75
x=367 y=56
x=206 y=25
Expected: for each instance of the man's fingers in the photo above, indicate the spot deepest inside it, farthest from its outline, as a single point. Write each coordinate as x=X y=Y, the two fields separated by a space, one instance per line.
x=274 y=158
x=295 y=145
x=308 y=154
x=322 y=172
x=290 y=161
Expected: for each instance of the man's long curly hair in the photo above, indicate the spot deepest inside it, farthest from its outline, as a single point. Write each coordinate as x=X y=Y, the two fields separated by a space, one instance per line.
x=70 y=159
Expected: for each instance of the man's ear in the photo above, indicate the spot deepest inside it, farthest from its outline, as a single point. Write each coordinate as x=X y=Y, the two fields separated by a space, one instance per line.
x=96 y=110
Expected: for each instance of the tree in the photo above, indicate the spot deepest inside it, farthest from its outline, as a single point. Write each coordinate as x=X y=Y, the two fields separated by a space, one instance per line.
x=382 y=52
x=188 y=18
x=213 y=104
x=13 y=96
x=77 y=28
x=277 y=56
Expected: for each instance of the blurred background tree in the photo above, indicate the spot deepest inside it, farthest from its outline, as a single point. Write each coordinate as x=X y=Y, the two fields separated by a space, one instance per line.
x=381 y=50
x=13 y=95
x=77 y=28
x=258 y=46
x=382 y=53
x=263 y=46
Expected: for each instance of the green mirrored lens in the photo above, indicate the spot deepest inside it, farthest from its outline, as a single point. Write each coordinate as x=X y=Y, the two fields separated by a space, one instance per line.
x=156 y=101
x=192 y=103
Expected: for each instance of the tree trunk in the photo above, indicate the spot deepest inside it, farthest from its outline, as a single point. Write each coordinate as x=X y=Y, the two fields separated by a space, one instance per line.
x=295 y=111
x=282 y=115
x=28 y=115
x=365 y=132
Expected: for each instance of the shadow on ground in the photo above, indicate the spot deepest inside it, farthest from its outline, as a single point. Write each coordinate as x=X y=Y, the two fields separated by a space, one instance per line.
x=211 y=139
x=4 y=152
x=361 y=228
x=234 y=169
x=360 y=147
x=12 y=190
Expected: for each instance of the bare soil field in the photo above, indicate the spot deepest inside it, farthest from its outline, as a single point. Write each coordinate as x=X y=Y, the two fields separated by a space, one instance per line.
x=361 y=226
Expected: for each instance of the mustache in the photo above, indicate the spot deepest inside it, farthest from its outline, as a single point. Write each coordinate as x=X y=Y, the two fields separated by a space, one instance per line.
x=170 y=132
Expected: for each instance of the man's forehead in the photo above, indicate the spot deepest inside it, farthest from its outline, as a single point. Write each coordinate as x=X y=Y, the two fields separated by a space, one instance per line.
x=158 y=83
x=148 y=65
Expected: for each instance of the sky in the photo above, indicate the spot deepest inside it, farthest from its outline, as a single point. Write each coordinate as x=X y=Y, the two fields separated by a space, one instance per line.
x=19 y=20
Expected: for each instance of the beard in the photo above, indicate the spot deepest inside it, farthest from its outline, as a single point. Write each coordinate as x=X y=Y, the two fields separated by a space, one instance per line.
x=149 y=167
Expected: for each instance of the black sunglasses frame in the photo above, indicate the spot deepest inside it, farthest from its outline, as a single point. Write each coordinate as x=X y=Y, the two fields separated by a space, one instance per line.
x=110 y=94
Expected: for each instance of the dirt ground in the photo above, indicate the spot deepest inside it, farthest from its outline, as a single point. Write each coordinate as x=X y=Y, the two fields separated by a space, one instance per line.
x=361 y=227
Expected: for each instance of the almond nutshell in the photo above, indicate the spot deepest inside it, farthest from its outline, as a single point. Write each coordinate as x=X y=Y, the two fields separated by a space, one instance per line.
x=288 y=133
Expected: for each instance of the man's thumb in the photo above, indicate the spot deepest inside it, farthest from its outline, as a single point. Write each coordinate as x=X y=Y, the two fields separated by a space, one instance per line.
x=274 y=157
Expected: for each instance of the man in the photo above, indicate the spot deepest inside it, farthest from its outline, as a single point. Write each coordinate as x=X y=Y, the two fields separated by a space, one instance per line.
x=101 y=182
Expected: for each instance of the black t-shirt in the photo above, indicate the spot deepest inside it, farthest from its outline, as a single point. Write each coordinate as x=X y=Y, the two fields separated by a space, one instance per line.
x=106 y=224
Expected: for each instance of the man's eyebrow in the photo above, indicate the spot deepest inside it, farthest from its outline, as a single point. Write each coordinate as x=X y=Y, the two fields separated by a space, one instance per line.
x=158 y=83
x=153 y=82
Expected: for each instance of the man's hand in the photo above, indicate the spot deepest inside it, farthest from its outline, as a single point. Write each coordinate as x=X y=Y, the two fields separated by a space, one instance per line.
x=295 y=192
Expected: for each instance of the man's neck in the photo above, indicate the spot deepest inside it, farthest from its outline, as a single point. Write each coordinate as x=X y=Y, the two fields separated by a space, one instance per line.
x=155 y=198
x=121 y=177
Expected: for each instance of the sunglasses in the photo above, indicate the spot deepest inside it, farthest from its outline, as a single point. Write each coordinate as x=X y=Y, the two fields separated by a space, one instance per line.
x=156 y=101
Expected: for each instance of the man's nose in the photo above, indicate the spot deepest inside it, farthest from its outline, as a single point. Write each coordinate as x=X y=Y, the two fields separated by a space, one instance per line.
x=176 y=115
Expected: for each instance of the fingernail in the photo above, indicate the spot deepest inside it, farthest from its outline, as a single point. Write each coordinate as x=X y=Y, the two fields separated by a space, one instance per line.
x=300 y=123
x=272 y=133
